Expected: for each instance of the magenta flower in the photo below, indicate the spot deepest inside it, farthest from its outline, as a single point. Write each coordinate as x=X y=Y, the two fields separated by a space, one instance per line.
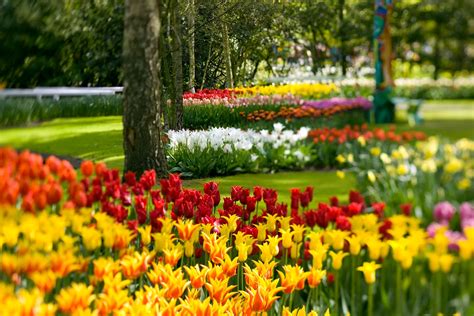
x=466 y=211
x=443 y=212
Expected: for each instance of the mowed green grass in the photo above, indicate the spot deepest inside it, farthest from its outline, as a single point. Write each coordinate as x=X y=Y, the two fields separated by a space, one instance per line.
x=98 y=138
x=453 y=119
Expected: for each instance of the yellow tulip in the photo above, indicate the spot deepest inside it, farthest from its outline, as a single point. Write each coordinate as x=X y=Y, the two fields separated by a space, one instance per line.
x=354 y=245
x=243 y=251
x=369 y=268
x=446 y=262
x=295 y=250
x=271 y=222
x=265 y=252
x=465 y=249
x=261 y=231
x=337 y=258
x=287 y=238
x=315 y=276
x=145 y=234
x=298 y=232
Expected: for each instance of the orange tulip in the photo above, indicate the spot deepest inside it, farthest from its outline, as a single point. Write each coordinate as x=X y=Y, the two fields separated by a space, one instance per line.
x=219 y=290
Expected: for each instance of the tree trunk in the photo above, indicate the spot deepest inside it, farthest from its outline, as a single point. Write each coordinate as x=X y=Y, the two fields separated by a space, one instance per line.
x=227 y=57
x=192 y=58
x=177 y=56
x=142 y=138
x=436 y=53
x=208 y=60
x=342 y=39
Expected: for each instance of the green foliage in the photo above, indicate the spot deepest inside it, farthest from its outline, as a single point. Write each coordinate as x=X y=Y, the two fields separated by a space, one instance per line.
x=51 y=43
x=196 y=162
x=199 y=163
x=79 y=43
x=14 y=112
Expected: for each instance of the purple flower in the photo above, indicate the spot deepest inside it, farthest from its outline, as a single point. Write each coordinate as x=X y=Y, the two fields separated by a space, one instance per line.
x=342 y=102
x=443 y=212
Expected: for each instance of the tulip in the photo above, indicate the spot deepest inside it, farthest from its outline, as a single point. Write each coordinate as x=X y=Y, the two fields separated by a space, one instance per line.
x=76 y=297
x=337 y=258
x=368 y=269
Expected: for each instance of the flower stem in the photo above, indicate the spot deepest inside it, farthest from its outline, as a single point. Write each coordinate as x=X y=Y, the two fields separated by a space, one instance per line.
x=438 y=292
x=240 y=278
x=353 y=286
x=308 y=302
x=370 y=310
x=398 y=293
x=336 y=295
x=291 y=300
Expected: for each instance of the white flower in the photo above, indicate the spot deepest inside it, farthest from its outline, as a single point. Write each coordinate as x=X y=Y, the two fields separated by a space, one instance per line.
x=278 y=127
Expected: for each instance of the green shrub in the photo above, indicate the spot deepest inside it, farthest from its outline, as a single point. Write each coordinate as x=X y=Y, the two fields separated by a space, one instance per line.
x=23 y=111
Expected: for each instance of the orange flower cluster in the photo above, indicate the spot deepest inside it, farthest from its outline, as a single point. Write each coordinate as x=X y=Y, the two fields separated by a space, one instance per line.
x=351 y=133
x=289 y=113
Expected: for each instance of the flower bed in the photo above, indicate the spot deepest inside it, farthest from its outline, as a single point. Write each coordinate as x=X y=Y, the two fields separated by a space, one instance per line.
x=93 y=244
x=310 y=109
x=224 y=151
x=261 y=115
x=423 y=174
x=303 y=90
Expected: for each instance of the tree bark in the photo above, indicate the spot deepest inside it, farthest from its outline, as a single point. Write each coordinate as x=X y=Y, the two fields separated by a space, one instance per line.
x=227 y=56
x=192 y=57
x=177 y=56
x=341 y=37
x=436 y=53
x=208 y=60
x=142 y=127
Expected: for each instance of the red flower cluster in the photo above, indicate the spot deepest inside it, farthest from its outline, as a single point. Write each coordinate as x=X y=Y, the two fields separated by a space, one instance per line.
x=210 y=94
x=350 y=133
x=35 y=184
x=336 y=213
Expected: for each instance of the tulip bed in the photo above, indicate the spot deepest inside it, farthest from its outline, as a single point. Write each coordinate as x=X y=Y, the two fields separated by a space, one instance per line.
x=223 y=151
x=87 y=243
x=256 y=107
x=422 y=174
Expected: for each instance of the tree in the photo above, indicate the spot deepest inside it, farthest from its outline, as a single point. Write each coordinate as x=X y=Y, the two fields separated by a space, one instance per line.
x=192 y=57
x=142 y=123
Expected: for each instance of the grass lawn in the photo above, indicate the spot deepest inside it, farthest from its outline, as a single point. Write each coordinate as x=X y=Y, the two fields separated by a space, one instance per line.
x=98 y=138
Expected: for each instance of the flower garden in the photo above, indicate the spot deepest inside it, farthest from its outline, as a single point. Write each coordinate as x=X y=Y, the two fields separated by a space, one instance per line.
x=96 y=241
x=236 y=157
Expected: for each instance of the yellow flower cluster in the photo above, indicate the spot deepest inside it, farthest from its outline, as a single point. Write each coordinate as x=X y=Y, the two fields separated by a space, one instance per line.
x=85 y=263
x=423 y=173
x=304 y=90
